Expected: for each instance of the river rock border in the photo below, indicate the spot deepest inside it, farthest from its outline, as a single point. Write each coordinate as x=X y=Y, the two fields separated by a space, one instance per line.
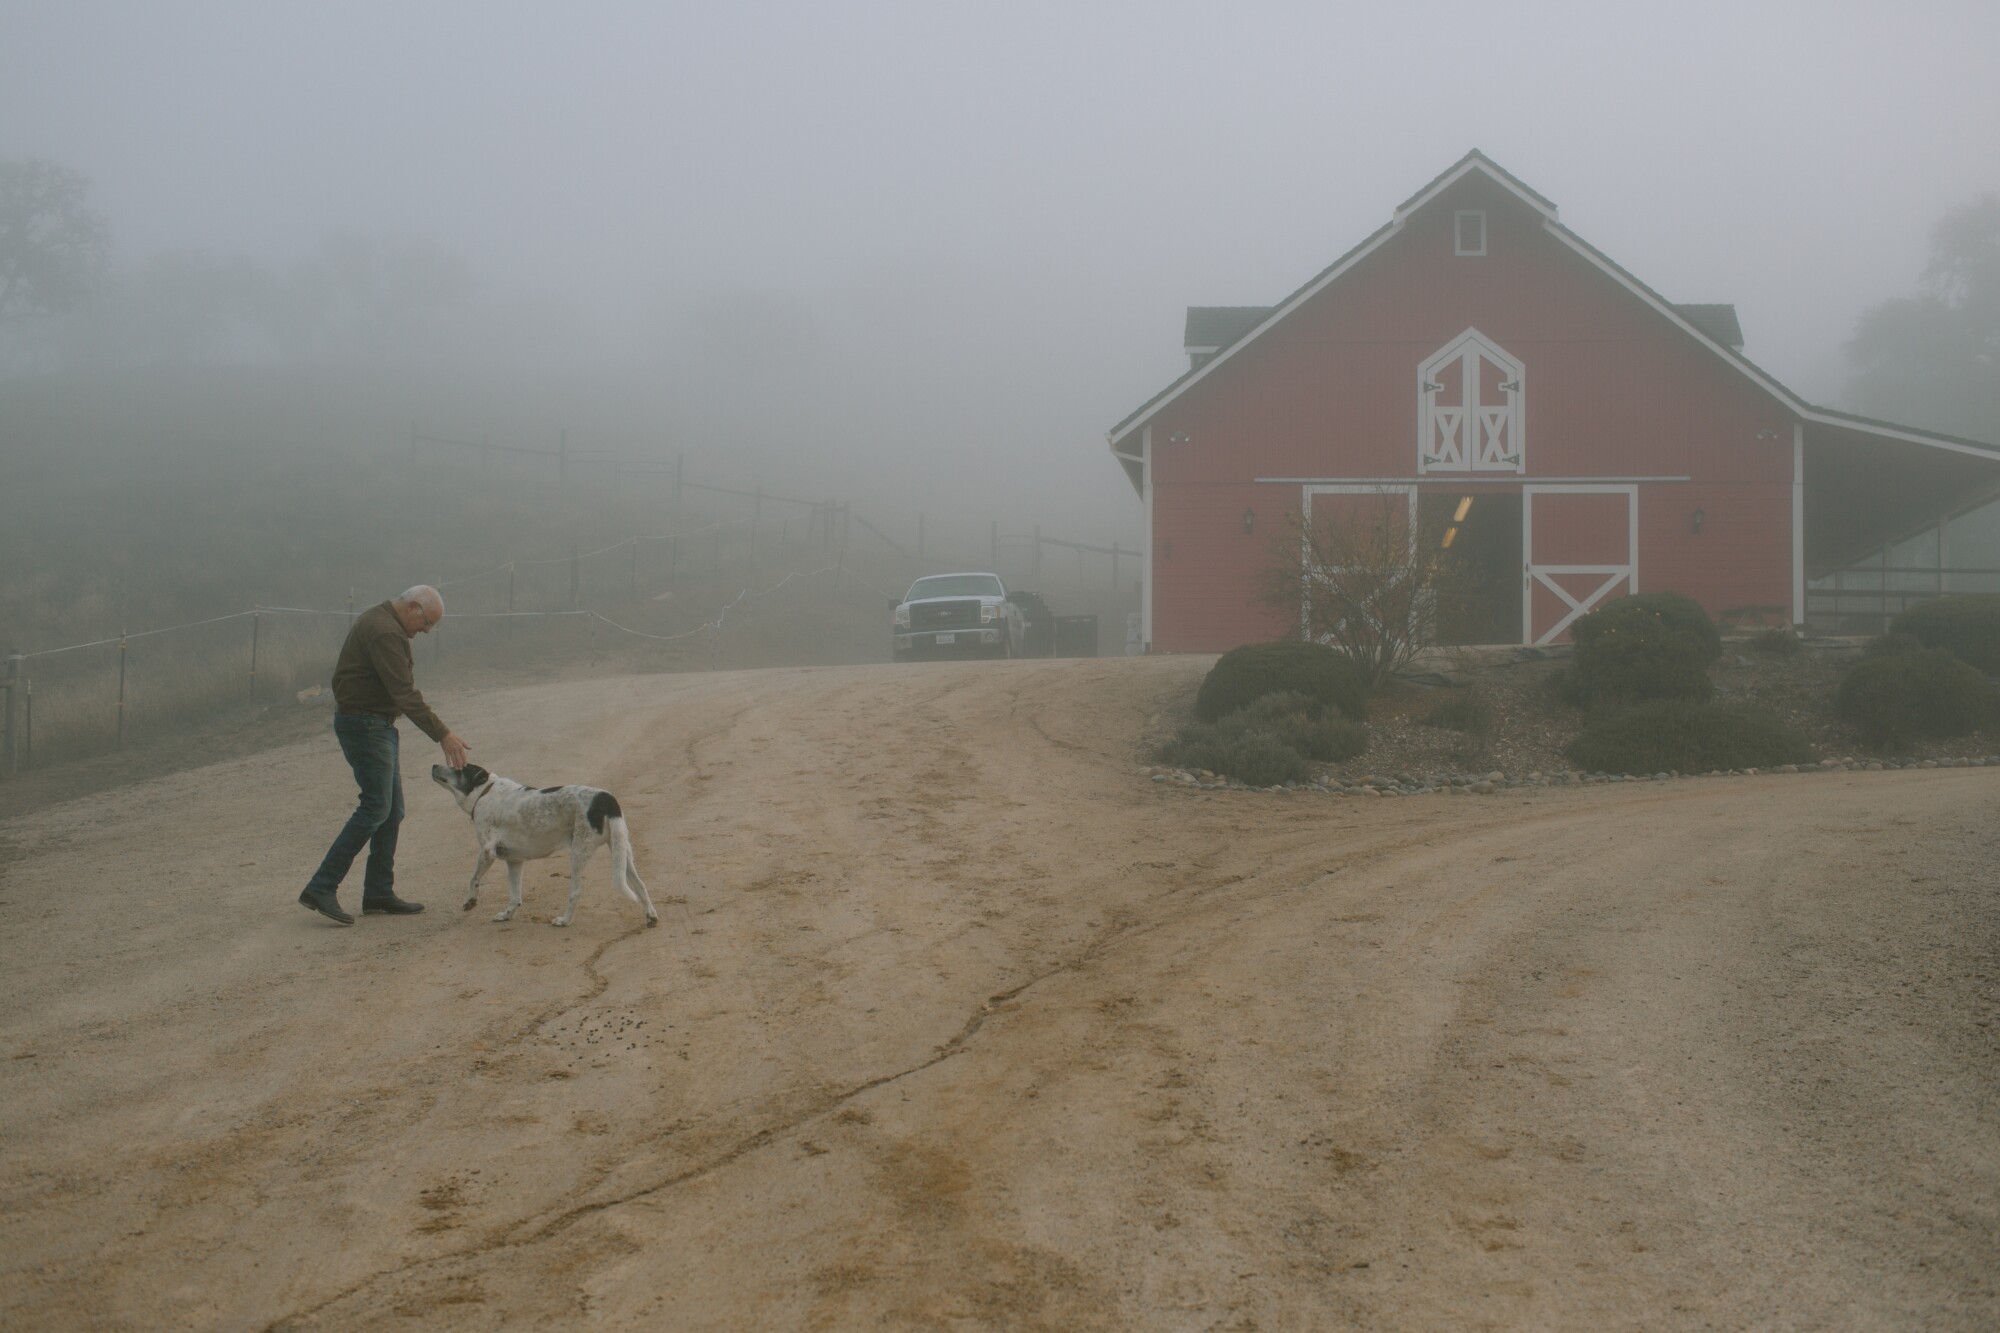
x=1486 y=784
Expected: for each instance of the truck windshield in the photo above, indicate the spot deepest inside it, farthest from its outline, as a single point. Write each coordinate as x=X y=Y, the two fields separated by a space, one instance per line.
x=956 y=585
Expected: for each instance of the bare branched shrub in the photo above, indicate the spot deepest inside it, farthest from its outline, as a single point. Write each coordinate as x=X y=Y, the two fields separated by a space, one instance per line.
x=1367 y=577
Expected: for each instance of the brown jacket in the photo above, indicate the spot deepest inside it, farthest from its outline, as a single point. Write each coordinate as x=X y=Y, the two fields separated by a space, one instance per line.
x=375 y=673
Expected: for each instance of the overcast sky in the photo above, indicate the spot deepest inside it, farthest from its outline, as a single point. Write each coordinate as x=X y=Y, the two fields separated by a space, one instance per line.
x=985 y=221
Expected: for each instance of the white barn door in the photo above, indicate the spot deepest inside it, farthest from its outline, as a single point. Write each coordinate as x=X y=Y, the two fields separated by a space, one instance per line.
x=1580 y=546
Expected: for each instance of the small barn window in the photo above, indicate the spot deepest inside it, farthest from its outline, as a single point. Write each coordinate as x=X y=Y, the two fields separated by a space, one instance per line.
x=1469 y=233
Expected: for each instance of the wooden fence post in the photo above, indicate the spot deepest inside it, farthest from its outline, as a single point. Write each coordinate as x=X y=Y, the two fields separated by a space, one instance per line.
x=7 y=746
x=575 y=577
x=634 y=594
x=840 y=562
x=254 y=618
x=1035 y=560
x=118 y=740
x=28 y=727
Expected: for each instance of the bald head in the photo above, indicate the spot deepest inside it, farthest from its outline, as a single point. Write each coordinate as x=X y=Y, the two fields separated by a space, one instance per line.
x=419 y=609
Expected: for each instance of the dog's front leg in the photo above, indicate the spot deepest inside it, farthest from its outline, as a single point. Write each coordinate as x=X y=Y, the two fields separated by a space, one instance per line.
x=472 y=888
x=577 y=856
x=513 y=891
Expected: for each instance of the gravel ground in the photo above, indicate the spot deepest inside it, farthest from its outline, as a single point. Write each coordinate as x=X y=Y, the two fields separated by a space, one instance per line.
x=955 y=1021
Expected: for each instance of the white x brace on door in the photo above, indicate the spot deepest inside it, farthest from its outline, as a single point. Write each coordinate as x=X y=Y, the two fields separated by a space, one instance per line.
x=1579 y=546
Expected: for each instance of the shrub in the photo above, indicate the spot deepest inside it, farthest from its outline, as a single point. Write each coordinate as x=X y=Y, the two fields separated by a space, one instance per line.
x=1462 y=712
x=1656 y=645
x=1239 y=745
x=1246 y=674
x=1305 y=724
x=1255 y=757
x=1683 y=614
x=1896 y=697
x=1681 y=736
x=1890 y=645
x=1331 y=739
x=1778 y=642
x=1966 y=625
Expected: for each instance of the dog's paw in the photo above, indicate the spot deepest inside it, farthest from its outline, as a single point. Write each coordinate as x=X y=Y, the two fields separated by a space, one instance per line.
x=468 y=904
x=506 y=915
x=560 y=921
x=652 y=921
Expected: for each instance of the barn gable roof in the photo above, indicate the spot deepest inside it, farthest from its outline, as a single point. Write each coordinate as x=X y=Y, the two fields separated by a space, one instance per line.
x=1713 y=326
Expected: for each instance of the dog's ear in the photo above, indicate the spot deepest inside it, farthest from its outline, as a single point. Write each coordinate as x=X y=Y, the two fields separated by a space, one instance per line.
x=472 y=775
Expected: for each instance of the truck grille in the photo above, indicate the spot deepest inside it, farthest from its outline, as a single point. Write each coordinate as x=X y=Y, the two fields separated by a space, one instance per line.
x=945 y=615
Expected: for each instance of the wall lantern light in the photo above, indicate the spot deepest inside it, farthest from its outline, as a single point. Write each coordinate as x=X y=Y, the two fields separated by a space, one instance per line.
x=1249 y=519
x=1699 y=517
x=1178 y=437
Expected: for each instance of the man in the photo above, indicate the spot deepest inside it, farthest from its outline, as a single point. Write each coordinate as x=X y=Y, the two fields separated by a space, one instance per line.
x=374 y=684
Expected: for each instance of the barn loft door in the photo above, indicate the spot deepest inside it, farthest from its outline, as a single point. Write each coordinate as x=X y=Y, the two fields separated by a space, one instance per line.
x=1470 y=408
x=1580 y=545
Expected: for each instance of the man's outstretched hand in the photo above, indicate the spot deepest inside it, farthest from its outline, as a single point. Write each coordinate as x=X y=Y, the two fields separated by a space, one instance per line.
x=454 y=750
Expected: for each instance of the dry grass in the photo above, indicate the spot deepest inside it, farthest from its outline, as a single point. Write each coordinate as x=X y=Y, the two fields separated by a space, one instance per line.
x=142 y=505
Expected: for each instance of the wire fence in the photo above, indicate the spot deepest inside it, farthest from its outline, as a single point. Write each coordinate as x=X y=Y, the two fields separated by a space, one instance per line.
x=680 y=591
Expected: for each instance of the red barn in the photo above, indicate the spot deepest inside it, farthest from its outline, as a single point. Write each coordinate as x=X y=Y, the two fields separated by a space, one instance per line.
x=1476 y=357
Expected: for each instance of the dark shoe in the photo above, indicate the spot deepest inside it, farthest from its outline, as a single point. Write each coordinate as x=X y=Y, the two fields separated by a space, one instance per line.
x=390 y=906
x=326 y=905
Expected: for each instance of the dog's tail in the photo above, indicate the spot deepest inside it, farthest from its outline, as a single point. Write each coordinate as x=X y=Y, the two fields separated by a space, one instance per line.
x=627 y=868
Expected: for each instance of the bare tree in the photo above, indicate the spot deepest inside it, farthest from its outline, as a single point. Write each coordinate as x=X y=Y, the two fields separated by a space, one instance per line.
x=53 y=245
x=1367 y=576
x=1934 y=358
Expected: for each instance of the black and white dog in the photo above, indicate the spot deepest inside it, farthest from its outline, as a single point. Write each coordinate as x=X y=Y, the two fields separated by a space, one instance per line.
x=515 y=824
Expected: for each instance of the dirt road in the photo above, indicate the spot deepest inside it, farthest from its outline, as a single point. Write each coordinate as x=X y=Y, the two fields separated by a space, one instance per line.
x=956 y=1021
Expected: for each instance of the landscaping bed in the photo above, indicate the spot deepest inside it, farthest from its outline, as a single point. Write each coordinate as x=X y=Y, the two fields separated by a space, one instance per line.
x=1530 y=726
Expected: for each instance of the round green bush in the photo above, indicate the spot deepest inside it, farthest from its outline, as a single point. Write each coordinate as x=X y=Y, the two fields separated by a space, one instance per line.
x=1246 y=674
x=1657 y=645
x=1890 y=645
x=1331 y=739
x=1238 y=745
x=1682 y=736
x=1255 y=757
x=1966 y=625
x=1678 y=612
x=1897 y=697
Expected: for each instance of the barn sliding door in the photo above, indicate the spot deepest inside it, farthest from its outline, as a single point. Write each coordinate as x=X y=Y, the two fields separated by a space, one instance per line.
x=1580 y=545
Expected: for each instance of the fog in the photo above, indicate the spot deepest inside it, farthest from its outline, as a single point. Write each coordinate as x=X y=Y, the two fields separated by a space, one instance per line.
x=932 y=252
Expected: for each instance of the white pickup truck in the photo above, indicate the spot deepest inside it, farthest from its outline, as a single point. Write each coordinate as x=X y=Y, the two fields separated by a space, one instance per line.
x=957 y=615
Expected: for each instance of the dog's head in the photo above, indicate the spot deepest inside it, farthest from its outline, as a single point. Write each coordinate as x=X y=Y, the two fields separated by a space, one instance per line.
x=462 y=783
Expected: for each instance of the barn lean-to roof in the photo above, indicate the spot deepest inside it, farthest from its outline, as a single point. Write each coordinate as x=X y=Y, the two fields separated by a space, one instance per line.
x=1710 y=325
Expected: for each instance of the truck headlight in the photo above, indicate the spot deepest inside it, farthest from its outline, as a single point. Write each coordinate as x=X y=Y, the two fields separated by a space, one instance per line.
x=903 y=616
x=992 y=611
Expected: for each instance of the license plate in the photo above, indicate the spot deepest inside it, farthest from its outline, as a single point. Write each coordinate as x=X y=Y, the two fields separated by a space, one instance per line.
x=947 y=638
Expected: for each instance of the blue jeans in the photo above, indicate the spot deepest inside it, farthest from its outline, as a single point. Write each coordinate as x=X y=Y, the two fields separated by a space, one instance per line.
x=369 y=744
